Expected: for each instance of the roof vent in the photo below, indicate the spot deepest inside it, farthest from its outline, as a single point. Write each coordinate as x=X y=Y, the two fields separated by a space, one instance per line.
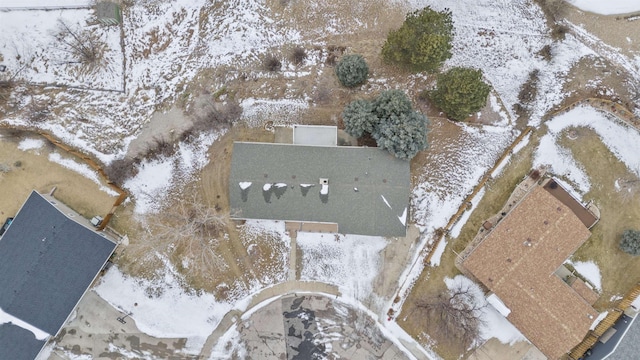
x=324 y=181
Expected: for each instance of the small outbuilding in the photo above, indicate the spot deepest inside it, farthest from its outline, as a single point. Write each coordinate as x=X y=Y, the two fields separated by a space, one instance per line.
x=108 y=13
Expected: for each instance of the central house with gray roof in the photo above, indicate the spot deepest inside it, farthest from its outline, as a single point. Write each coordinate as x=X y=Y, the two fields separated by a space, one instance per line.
x=352 y=190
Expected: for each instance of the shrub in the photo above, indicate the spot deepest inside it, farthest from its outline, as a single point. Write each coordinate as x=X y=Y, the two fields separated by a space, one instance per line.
x=460 y=92
x=272 y=63
x=352 y=71
x=359 y=118
x=558 y=32
x=422 y=43
x=298 y=56
x=118 y=171
x=630 y=242
x=529 y=89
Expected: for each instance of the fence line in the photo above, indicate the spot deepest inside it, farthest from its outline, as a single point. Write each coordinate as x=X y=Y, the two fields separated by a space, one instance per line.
x=593 y=335
x=91 y=162
x=485 y=178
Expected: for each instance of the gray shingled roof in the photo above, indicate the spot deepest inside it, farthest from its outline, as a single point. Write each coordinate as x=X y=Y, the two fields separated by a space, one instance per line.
x=47 y=262
x=17 y=343
x=379 y=178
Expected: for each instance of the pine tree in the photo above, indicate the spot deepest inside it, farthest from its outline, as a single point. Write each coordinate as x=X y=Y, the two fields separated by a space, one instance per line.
x=460 y=92
x=352 y=71
x=358 y=118
x=403 y=135
x=422 y=43
x=391 y=102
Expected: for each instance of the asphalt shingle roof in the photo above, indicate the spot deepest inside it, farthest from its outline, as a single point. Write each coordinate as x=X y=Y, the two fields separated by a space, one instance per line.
x=17 y=343
x=368 y=187
x=47 y=262
x=517 y=261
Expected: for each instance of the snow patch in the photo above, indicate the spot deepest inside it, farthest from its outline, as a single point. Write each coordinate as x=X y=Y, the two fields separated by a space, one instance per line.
x=6 y=318
x=590 y=271
x=609 y=7
x=385 y=201
x=82 y=169
x=162 y=308
x=600 y=317
x=403 y=217
x=30 y=144
x=351 y=262
x=494 y=324
x=455 y=230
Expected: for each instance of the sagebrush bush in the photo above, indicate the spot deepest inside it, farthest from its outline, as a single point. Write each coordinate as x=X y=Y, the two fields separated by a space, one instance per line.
x=352 y=70
x=298 y=56
x=272 y=63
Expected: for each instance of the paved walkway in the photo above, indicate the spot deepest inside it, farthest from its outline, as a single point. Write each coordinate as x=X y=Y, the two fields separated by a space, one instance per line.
x=272 y=292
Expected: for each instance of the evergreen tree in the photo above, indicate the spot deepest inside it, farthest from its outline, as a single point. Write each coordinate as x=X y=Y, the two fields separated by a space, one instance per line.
x=358 y=118
x=403 y=135
x=630 y=242
x=352 y=71
x=423 y=42
x=391 y=102
x=460 y=92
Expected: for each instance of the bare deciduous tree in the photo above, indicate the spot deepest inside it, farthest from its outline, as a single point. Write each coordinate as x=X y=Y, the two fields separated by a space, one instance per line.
x=188 y=233
x=454 y=314
x=84 y=45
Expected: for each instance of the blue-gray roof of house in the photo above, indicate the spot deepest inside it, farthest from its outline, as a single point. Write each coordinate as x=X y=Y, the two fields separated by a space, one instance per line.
x=47 y=262
x=17 y=343
x=368 y=189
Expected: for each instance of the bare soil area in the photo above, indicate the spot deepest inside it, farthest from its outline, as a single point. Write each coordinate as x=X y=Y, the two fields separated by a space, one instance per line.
x=32 y=170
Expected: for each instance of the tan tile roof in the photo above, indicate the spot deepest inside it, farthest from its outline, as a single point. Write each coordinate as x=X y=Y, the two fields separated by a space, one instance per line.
x=517 y=261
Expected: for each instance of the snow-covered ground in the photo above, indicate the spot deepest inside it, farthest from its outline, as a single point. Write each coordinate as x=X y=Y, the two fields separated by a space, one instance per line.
x=609 y=7
x=349 y=261
x=494 y=325
x=30 y=47
x=619 y=138
x=156 y=178
x=449 y=179
x=162 y=307
x=589 y=270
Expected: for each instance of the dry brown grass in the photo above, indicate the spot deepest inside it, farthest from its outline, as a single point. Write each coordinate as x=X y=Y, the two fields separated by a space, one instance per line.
x=431 y=281
x=32 y=170
x=236 y=267
x=619 y=211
